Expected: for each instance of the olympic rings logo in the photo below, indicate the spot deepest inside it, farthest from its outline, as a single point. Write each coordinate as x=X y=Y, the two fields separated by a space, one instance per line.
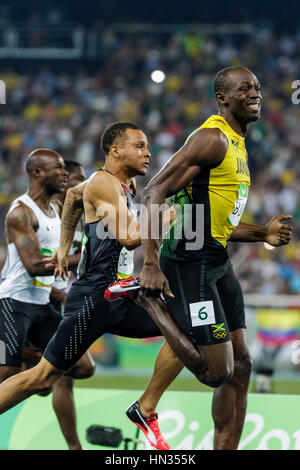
x=220 y=334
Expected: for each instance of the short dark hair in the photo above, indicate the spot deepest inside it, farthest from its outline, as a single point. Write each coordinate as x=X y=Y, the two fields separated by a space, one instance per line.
x=114 y=132
x=70 y=165
x=220 y=82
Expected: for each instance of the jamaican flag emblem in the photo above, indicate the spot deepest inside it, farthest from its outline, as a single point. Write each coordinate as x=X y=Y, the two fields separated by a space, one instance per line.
x=219 y=331
x=235 y=143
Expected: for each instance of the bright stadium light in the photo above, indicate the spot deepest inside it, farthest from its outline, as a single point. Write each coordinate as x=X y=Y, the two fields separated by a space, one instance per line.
x=158 y=76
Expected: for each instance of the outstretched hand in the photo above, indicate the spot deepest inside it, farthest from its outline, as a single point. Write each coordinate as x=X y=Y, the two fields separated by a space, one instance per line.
x=278 y=233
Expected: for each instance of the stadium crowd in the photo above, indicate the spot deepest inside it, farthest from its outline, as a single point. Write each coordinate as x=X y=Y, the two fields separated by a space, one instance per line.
x=67 y=109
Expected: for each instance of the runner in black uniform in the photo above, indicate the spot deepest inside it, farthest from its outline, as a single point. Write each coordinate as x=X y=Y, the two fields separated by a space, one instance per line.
x=87 y=315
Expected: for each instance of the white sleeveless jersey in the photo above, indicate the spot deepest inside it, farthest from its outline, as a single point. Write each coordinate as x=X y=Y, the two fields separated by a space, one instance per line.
x=16 y=282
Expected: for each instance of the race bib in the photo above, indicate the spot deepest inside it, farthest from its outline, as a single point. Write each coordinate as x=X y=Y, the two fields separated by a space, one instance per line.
x=44 y=281
x=234 y=218
x=126 y=264
x=202 y=313
x=82 y=263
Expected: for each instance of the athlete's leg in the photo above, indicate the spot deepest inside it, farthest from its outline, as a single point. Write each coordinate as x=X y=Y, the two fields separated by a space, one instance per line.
x=31 y=356
x=230 y=400
x=21 y=386
x=62 y=398
x=138 y=324
x=167 y=367
x=84 y=367
x=8 y=371
x=211 y=365
x=64 y=407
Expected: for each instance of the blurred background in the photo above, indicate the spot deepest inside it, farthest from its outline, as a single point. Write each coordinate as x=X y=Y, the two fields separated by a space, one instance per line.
x=71 y=69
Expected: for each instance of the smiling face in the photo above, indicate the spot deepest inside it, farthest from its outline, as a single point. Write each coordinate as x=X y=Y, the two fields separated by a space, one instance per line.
x=46 y=168
x=54 y=174
x=134 y=152
x=241 y=95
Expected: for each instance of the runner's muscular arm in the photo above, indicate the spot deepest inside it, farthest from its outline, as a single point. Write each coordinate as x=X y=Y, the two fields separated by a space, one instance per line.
x=72 y=211
x=104 y=193
x=204 y=147
x=248 y=233
x=20 y=231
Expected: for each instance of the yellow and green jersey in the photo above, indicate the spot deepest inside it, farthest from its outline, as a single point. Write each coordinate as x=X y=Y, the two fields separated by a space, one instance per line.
x=223 y=192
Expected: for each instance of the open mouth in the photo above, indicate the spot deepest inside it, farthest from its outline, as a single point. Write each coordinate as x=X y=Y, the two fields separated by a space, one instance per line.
x=255 y=106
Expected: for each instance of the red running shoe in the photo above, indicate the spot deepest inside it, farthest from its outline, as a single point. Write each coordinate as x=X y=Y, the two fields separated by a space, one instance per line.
x=125 y=287
x=149 y=426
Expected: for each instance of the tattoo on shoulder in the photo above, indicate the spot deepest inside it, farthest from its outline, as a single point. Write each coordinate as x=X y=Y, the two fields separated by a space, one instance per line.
x=78 y=190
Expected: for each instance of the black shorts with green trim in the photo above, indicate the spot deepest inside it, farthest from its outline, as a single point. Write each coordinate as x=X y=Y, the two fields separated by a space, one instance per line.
x=208 y=301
